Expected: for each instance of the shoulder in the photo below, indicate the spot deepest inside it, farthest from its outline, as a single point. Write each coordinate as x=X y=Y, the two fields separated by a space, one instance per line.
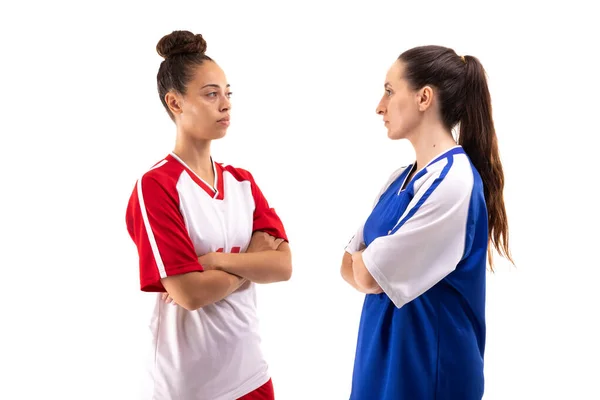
x=397 y=172
x=394 y=175
x=164 y=173
x=240 y=174
x=451 y=178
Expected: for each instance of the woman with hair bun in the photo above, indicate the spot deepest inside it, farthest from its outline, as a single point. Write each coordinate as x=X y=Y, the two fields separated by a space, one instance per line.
x=420 y=257
x=205 y=235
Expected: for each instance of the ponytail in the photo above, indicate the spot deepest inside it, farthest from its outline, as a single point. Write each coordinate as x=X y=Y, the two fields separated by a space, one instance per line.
x=477 y=136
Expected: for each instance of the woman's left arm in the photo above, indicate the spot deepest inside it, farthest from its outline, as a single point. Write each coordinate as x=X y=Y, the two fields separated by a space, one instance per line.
x=268 y=257
x=261 y=263
x=348 y=273
x=426 y=245
x=363 y=281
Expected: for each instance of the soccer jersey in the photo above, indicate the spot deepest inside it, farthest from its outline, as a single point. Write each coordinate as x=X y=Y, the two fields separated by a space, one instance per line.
x=426 y=246
x=173 y=217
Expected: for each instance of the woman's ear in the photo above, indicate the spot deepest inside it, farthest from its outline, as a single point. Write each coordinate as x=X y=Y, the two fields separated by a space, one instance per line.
x=174 y=102
x=425 y=98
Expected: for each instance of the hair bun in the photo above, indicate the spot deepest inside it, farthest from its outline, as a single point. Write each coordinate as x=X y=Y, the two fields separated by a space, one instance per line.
x=181 y=42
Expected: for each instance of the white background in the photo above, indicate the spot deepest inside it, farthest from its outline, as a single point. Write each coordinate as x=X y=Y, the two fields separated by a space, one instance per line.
x=81 y=120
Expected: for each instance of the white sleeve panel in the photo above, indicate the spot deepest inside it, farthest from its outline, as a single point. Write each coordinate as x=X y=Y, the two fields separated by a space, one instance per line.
x=427 y=243
x=357 y=242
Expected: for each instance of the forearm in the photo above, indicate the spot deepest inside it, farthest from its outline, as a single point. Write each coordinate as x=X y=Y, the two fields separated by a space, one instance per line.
x=353 y=271
x=215 y=287
x=199 y=289
x=362 y=277
x=347 y=271
x=260 y=267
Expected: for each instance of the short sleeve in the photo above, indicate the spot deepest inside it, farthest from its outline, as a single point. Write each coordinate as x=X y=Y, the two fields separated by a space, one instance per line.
x=158 y=230
x=427 y=243
x=265 y=218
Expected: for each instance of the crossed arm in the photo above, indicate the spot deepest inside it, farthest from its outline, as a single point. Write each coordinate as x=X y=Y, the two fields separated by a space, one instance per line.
x=266 y=260
x=355 y=272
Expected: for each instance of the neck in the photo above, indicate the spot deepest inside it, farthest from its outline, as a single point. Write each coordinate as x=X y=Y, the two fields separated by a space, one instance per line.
x=195 y=153
x=429 y=141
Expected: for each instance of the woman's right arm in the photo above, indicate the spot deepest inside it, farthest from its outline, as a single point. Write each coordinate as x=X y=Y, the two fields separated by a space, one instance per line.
x=347 y=271
x=167 y=257
x=195 y=290
x=357 y=243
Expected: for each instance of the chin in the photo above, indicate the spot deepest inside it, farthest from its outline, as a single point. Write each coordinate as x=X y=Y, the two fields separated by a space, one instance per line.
x=219 y=134
x=400 y=132
x=394 y=135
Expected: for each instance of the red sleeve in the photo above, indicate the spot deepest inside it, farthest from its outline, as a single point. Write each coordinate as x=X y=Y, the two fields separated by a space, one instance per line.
x=158 y=229
x=265 y=217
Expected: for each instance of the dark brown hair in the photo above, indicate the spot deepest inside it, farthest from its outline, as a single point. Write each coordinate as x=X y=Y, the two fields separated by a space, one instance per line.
x=464 y=98
x=182 y=51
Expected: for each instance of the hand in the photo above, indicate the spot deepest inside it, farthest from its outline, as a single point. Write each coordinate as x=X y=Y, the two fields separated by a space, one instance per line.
x=210 y=261
x=356 y=255
x=357 y=259
x=168 y=299
x=262 y=241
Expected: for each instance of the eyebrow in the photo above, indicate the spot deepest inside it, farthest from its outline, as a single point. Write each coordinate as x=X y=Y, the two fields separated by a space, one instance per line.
x=387 y=84
x=214 y=85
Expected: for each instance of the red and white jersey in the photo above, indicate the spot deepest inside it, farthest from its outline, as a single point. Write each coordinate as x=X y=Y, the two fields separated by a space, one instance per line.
x=173 y=217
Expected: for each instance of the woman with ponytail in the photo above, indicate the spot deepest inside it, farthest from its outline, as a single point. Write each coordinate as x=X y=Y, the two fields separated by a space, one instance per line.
x=421 y=256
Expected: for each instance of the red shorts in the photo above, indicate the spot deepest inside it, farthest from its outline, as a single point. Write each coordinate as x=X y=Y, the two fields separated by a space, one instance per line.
x=265 y=392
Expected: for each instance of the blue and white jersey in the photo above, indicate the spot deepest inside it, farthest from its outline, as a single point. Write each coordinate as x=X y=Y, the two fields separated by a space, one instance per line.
x=426 y=246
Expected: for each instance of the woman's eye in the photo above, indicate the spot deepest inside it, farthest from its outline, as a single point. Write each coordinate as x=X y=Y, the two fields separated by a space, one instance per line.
x=388 y=92
x=229 y=95
x=212 y=94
